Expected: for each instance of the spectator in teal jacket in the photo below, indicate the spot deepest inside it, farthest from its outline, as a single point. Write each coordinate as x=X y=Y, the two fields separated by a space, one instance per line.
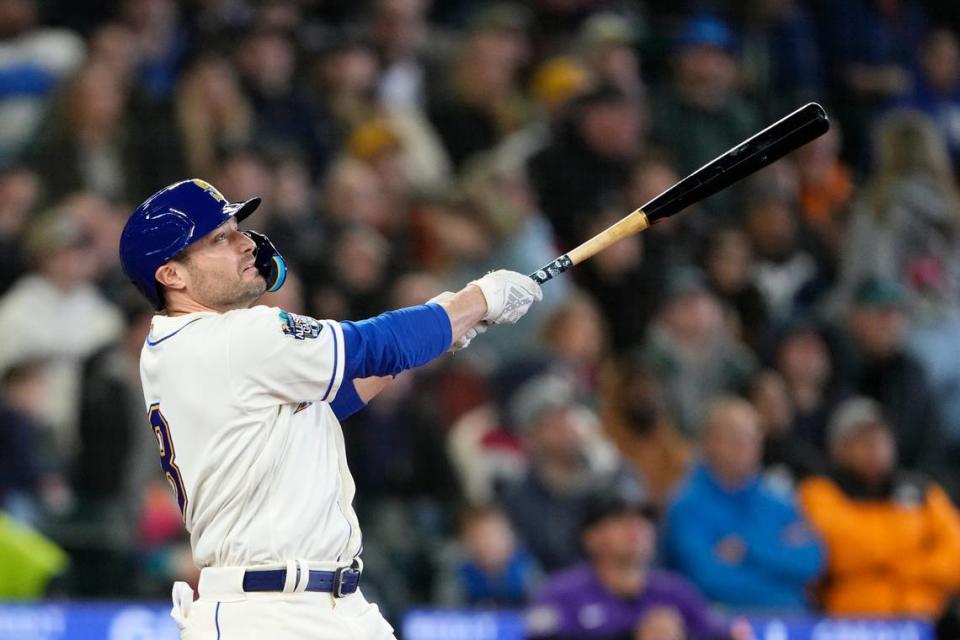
x=742 y=544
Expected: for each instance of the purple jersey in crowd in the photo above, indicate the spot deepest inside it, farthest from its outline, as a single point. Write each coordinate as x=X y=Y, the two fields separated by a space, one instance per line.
x=574 y=604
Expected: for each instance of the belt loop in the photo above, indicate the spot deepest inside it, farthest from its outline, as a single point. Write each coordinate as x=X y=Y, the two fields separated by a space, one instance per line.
x=304 y=568
x=292 y=577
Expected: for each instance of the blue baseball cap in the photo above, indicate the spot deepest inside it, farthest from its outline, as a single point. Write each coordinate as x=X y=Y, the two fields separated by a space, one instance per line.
x=704 y=30
x=168 y=222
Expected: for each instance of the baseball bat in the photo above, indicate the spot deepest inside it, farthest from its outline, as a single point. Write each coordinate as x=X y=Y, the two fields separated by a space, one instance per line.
x=787 y=134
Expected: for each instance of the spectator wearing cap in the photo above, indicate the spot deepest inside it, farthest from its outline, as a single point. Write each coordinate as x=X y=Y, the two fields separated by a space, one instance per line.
x=569 y=460
x=892 y=535
x=604 y=131
x=616 y=590
x=693 y=351
x=56 y=313
x=556 y=82
x=873 y=361
x=740 y=542
x=606 y=42
x=702 y=114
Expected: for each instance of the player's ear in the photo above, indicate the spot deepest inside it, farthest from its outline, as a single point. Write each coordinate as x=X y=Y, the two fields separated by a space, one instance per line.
x=172 y=275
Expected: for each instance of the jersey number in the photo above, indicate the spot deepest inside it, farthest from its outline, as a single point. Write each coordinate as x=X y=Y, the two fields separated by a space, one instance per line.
x=170 y=469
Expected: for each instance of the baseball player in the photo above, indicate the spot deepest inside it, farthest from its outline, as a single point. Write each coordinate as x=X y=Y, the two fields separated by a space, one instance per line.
x=245 y=402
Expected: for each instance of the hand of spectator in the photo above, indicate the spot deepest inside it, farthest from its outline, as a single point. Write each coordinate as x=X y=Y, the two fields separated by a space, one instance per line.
x=509 y=295
x=473 y=332
x=740 y=629
x=661 y=623
x=730 y=549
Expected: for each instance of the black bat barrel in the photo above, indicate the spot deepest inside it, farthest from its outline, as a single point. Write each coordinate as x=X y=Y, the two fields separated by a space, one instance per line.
x=751 y=155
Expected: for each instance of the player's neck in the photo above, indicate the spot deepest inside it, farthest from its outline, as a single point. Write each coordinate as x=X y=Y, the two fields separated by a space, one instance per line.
x=183 y=306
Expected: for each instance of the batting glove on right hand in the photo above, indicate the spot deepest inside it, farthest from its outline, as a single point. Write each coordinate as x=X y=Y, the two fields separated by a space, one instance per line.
x=509 y=295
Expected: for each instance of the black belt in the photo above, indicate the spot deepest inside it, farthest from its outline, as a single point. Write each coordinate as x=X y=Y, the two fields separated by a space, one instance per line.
x=341 y=582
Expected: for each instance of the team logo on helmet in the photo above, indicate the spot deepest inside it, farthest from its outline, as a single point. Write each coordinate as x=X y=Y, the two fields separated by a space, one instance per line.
x=209 y=188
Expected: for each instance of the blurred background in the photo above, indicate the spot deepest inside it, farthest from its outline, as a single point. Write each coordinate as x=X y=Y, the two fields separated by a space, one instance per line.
x=746 y=418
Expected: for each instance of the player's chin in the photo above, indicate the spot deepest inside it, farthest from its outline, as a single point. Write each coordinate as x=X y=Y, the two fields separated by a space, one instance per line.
x=251 y=286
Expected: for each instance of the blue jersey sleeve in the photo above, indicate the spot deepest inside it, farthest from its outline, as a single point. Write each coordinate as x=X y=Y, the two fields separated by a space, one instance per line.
x=395 y=341
x=347 y=402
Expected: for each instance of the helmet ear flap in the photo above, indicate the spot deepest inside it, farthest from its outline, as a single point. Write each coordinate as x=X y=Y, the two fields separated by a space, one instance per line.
x=268 y=261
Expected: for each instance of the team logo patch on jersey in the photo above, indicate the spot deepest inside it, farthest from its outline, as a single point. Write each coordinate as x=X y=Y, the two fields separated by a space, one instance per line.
x=299 y=327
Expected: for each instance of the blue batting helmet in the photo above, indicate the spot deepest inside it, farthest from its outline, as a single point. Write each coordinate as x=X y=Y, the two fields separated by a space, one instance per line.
x=171 y=220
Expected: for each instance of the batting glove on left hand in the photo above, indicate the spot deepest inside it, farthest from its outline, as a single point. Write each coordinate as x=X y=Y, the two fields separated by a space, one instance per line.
x=471 y=333
x=509 y=295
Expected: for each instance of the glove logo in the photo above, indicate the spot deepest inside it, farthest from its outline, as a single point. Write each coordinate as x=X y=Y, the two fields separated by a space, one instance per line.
x=299 y=327
x=516 y=300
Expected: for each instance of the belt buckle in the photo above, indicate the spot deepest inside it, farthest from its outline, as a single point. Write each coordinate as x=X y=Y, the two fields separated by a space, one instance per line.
x=355 y=567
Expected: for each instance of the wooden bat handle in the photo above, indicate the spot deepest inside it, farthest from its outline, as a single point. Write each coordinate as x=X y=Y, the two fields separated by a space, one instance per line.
x=629 y=225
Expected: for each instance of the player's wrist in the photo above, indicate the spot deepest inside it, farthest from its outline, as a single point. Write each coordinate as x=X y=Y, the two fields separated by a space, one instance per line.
x=477 y=295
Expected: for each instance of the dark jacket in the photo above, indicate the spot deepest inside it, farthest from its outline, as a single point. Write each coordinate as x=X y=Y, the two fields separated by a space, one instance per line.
x=572 y=182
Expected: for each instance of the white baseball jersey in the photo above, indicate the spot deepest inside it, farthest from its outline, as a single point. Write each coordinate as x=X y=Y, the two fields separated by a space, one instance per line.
x=239 y=402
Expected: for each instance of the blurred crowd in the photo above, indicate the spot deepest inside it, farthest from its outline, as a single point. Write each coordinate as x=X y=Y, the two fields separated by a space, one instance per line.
x=753 y=406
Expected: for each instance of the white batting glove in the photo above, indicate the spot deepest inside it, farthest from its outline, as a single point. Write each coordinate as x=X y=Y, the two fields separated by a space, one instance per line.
x=509 y=295
x=471 y=333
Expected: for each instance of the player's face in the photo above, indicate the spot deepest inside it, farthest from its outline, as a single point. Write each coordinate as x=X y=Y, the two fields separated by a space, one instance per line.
x=220 y=269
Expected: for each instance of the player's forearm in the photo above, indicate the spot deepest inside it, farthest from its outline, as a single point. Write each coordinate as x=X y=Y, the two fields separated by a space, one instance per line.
x=465 y=309
x=368 y=388
x=354 y=395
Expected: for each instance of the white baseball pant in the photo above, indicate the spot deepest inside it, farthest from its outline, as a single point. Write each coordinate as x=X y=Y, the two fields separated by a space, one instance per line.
x=225 y=612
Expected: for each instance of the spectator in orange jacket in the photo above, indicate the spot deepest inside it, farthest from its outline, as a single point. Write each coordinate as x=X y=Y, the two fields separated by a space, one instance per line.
x=893 y=536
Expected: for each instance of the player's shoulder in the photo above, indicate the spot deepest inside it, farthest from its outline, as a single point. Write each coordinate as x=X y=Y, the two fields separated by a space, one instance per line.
x=276 y=322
